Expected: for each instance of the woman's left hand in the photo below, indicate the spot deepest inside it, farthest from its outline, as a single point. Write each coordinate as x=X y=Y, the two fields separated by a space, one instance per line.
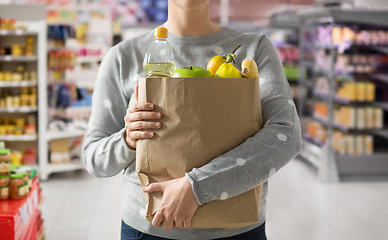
x=178 y=203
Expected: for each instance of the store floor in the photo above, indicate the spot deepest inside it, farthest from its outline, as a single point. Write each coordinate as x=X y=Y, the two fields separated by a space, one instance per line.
x=79 y=206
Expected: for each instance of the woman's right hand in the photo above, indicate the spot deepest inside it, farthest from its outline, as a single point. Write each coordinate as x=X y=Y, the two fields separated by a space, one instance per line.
x=137 y=120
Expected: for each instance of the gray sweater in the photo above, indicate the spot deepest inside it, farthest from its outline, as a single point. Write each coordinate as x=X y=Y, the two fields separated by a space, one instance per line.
x=105 y=152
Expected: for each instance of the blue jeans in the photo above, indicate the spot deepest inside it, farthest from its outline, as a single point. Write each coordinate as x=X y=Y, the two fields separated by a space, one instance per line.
x=129 y=233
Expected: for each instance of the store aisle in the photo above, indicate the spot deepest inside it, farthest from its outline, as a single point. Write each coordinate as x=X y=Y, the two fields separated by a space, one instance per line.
x=79 y=206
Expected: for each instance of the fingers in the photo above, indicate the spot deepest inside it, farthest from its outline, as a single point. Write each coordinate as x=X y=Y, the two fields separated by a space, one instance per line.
x=168 y=224
x=142 y=125
x=179 y=224
x=141 y=115
x=140 y=107
x=135 y=135
x=187 y=223
x=137 y=92
x=154 y=187
x=158 y=219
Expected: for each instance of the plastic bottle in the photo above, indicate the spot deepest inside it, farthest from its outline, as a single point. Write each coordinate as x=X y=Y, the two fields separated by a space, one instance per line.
x=159 y=60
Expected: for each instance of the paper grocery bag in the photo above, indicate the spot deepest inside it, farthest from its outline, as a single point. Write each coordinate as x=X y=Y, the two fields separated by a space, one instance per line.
x=202 y=118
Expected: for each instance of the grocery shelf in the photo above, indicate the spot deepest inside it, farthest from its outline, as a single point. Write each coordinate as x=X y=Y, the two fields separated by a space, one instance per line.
x=21 y=138
x=309 y=138
x=51 y=135
x=380 y=132
x=4 y=84
x=17 y=33
x=333 y=166
x=86 y=59
x=311 y=153
x=18 y=58
x=381 y=77
x=363 y=166
x=18 y=109
x=64 y=167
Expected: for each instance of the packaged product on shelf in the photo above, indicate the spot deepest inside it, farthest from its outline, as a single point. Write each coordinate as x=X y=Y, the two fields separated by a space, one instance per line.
x=368 y=141
x=379 y=118
x=7 y=76
x=361 y=118
x=359 y=144
x=361 y=91
x=16 y=158
x=5 y=161
x=33 y=77
x=350 y=144
x=339 y=142
x=369 y=116
x=17 y=50
x=370 y=90
x=29 y=156
x=4 y=187
x=17 y=186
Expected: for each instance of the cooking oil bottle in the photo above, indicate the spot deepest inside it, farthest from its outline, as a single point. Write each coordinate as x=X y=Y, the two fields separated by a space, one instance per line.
x=159 y=60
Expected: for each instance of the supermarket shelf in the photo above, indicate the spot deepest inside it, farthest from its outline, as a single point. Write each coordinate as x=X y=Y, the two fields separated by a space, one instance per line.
x=64 y=167
x=309 y=138
x=17 y=33
x=18 y=58
x=311 y=153
x=64 y=134
x=375 y=164
x=382 y=49
x=381 y=77
x=87 y=59
x=310 y=158
x=379 y=132
x=21 y=138
x=327 y=15
x=18 y=109
x=4 y=84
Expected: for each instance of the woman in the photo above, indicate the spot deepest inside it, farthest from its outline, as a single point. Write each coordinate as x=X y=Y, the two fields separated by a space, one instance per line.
x=110 y=143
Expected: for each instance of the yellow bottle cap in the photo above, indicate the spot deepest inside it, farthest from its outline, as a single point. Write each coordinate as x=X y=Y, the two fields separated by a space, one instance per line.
x=161 y=32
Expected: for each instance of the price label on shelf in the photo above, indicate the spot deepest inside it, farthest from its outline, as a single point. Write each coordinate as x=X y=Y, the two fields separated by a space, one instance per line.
x=3 y=32
x=7 y=58
x=35 y=198
x=24 y=214
x=18 y=32
x=30 y=208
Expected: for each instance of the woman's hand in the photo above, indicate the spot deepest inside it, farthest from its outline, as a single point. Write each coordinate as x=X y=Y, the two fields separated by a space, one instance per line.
x=137 y=120
x=178 y=203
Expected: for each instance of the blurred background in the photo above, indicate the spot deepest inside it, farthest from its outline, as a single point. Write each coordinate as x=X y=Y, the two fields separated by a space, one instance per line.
x=335 y=57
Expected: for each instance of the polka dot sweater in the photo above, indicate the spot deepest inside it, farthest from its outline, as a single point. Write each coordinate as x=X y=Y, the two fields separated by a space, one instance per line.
x=105 y=152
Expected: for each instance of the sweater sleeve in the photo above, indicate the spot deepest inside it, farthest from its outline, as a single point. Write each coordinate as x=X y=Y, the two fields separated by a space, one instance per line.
x=260 y=156
x=104 y=150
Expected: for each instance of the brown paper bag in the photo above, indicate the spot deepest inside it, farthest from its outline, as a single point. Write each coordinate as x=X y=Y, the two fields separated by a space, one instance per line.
x=202 y=119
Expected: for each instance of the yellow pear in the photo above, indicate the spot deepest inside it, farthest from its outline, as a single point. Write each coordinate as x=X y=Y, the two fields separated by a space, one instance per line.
x=249 y=69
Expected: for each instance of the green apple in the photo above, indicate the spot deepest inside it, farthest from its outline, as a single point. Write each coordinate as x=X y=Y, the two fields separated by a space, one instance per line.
x=185 y=72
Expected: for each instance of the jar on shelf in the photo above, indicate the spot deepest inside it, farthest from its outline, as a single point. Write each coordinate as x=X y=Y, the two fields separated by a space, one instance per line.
x=28 y=170
x=30 y=129
x=20 y=121
x=4 y=187
x=5 y=159
x=7 y=76
x=32 y=100
x=16 y=101
x=16 y=186
x=17 y=50
x=16 y=77
x=33 y=77
x=11 y=24
x=24 y=100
